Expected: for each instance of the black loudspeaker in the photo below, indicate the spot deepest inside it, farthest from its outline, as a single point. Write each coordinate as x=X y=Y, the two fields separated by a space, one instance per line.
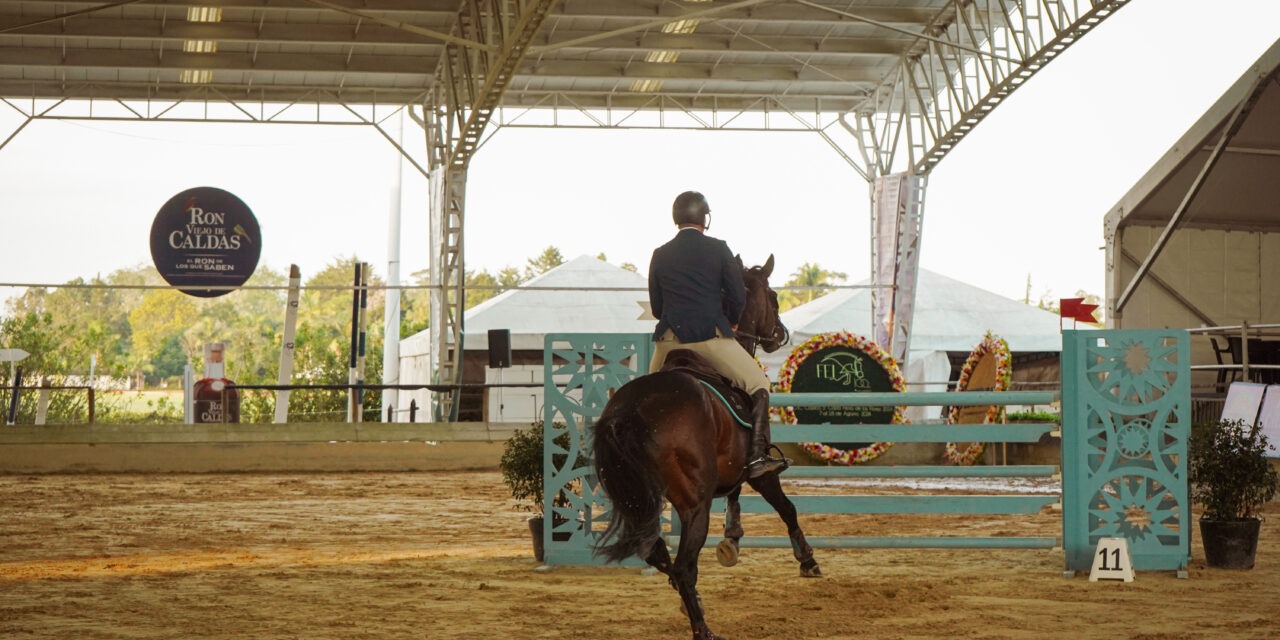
x=499 y=348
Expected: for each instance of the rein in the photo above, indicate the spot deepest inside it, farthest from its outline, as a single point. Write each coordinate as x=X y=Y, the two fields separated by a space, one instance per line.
x=756 y=340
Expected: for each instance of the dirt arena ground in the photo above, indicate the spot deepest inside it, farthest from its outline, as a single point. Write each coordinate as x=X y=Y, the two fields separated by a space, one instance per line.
x=447 y=555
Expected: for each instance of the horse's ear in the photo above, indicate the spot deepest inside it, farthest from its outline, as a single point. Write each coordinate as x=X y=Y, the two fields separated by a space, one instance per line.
x=738 y=257
x=767 y=269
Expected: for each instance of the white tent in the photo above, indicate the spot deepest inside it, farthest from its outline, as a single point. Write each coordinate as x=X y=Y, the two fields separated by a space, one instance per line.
x=583 y=295
x=587 y=295
x=1196 y=241
x=950 y=317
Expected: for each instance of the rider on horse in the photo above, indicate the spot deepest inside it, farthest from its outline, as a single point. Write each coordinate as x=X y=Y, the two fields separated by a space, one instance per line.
x=697 y=294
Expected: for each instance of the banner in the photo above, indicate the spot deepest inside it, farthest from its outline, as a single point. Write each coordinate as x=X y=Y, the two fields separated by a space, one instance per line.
x=897 y=214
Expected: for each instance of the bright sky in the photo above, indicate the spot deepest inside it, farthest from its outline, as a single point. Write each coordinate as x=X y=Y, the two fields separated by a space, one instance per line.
x=1024 y=195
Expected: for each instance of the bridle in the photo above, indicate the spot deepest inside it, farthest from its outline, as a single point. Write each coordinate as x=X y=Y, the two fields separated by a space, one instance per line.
x=756 y=340
x=750 y=340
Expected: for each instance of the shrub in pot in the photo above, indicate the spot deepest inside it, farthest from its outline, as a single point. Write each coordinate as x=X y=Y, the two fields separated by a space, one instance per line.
x=1230 y=480
x=521 y=467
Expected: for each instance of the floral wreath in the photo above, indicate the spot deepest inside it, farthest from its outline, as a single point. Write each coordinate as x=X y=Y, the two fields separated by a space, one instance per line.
x=997 y=347
x=822 y=341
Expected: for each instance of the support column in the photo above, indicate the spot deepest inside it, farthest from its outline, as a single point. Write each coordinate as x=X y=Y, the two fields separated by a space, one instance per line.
x=488 y=42
x=448 y=204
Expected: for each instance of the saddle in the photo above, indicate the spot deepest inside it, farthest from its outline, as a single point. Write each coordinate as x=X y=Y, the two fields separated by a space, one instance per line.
x=693 y=363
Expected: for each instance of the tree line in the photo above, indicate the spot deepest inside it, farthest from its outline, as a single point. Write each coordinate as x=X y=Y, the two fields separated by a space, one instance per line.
x=128 y=326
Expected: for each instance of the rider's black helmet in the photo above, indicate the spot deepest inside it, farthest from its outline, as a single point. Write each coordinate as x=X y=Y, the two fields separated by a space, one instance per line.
x=690 y=207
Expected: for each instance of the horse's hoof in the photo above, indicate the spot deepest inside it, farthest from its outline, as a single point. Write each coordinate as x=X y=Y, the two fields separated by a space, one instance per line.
x=705 y=634
x=727 y=553
x=811 y=572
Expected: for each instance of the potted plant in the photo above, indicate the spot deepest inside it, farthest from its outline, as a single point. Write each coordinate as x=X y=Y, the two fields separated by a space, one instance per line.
x=521 y=467
x=1230 y=480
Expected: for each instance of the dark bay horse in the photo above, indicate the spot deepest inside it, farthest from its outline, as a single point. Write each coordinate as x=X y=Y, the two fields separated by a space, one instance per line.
x=667 y=436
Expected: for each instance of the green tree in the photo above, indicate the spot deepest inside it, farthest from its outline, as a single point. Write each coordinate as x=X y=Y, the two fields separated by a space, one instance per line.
x=415 y=305
x=478 y=287
x=250 y=322
x=94 y=311
x=322 y=347
x=626 y=265
x=60 y=357
x=808 y=275
x=549 y=259
x=510 y=278
x=161 y=316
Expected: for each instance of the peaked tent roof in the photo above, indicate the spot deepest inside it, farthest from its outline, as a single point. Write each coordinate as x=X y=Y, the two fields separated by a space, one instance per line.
x=949 y=316
x=582 y=295
x=1203 y=282
x=1240 y=192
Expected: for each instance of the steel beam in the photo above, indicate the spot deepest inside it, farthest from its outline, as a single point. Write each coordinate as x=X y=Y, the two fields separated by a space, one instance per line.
x=469 y=84
x=972 y=56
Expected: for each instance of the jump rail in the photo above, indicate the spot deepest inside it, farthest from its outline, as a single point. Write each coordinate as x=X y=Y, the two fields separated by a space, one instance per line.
x=916 y=504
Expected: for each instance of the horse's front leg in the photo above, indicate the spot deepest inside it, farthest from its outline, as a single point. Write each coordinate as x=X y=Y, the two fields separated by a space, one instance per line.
x=770 y=488
x=727 y=550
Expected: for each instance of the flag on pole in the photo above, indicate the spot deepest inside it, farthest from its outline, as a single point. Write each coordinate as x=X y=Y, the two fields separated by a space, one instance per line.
x=1076 y=309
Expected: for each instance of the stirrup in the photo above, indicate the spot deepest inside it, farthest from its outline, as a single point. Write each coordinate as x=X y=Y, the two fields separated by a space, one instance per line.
x=767 y=464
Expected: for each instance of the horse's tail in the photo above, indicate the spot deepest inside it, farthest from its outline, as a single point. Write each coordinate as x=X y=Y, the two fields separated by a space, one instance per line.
x=625 y=468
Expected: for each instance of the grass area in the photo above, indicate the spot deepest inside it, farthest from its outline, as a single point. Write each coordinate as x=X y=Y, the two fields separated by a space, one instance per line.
x=142 y=401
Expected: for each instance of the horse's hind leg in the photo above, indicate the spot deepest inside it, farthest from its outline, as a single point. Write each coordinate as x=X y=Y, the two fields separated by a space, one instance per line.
x=727 y=550
x=770 y=488
x=684 y=572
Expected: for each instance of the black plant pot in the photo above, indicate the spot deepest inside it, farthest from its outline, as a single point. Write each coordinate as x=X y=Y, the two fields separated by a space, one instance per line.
x=1230 y=544
x=535 y=530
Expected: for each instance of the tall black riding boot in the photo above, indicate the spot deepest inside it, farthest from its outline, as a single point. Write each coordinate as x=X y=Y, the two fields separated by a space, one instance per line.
x=760 y=460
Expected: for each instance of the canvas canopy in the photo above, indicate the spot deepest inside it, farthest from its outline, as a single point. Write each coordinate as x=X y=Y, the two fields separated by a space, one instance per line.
x=1205 y=219
x=583 y=295
x=950 y=316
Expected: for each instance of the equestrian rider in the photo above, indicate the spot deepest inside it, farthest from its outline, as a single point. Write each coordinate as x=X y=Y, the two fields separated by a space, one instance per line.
x=697 y=294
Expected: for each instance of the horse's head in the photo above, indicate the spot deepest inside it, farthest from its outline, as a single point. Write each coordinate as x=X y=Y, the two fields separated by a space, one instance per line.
x=759 y=323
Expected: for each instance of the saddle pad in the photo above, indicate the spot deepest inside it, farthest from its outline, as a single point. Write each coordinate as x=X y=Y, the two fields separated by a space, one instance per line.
x=693 y=363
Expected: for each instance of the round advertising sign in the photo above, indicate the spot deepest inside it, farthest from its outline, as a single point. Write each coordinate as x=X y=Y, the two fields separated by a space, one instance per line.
x=841 y=362
x=205 y=237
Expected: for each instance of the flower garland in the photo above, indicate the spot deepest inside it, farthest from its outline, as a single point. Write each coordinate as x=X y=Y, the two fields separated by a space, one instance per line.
x=826 y=453
x=996 y=347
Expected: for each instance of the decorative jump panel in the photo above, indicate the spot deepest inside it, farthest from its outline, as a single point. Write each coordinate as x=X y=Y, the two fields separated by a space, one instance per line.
x=580 y=371
x=1126 y=411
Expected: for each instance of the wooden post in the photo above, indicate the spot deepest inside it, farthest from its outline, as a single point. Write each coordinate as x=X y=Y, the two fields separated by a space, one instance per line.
x=285 y=375
x=42 y=405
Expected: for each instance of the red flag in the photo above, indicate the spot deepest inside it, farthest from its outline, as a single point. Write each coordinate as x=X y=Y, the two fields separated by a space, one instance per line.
x=1076 y=309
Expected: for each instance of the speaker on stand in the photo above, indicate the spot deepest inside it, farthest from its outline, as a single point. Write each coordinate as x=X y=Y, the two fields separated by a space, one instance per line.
x=499 y=358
